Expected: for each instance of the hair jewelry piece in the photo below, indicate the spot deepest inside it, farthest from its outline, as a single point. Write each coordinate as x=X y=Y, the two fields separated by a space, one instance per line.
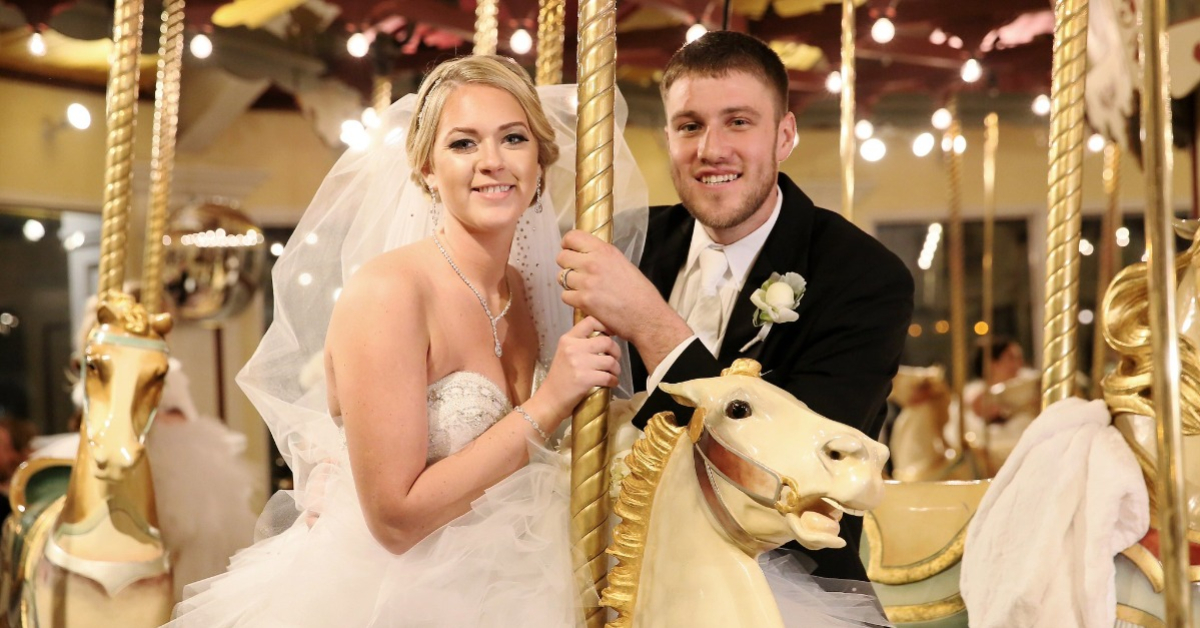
x=492 y=320
x=537 y=197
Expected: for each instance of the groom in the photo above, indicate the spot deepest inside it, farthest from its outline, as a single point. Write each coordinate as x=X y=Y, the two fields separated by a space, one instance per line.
x=688 y=311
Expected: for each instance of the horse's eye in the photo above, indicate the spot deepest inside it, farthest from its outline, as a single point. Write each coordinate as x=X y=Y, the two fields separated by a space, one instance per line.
x=738 y=409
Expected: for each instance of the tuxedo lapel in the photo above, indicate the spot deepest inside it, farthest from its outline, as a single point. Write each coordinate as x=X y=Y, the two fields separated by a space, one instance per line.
x=786 y=250
x=672 y=254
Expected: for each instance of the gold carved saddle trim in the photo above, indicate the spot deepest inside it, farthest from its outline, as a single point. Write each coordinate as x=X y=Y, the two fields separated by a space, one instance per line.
x=1146 y=563
x=928 y=611
x=113 y=576
x=920 y=529
x=28 y=469
x=1138 y=617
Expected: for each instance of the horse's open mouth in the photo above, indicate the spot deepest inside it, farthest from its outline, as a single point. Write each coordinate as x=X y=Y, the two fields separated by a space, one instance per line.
x=817 y=525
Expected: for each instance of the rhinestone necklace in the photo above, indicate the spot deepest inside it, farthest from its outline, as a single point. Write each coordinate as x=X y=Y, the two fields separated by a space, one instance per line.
x=492 y=320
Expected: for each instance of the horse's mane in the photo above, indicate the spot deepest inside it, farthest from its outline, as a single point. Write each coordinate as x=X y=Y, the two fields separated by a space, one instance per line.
x=1126 y=326
x=646 y=463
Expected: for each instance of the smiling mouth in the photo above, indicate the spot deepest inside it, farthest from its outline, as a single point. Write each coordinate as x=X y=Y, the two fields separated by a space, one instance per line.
x=719 y=179
x=493 y=189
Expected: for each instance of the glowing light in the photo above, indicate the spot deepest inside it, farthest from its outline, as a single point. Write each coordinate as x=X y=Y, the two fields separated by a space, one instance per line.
x=304 y=279
x=521 y=41
x=937 y=37
x=1041 y=105
x=74 y=241
x=166 y=240
x=695 y=31
x=941 y=119
x=37 y=45
x=914 y=330
x=358 y=45
x=942 y=326
x=1122 y=237
x=311 y=238
x=833 y=82
x=923 y=145
x=1096 y=143
x=337 y=293
x=873 y=149
x=972 y=71
x=1086 y=317
x=883 y=31
x=960 y=144
x=33 y=230
x=355 y=135
x=1085 y=247
x=219 y=239
x=955 y=42
x=78 y=116
x=370 y=119
x=863 y=129
x=277 y=249
x=981 y=328
x=201 y=46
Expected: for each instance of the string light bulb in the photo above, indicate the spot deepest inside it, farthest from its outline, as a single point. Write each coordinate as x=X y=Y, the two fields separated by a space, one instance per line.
x=883 y=30
x=201 y=46
x=37 y=45
x=521 y=41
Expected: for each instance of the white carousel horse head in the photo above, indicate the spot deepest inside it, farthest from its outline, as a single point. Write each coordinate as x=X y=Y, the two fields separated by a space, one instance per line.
x=753 y=468
x=832 y=468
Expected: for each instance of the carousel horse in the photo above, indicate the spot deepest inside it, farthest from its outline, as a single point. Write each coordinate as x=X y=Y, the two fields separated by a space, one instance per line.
x=753 y=469
x=1128 y=394
x=918 y=443
x=87 y=551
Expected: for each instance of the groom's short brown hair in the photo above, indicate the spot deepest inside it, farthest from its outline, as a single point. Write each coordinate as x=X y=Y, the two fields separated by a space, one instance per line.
x=719 y=53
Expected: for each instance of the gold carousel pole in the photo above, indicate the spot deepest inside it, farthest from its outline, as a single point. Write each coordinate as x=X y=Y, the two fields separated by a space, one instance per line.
x=120 y=113
x=991 y=142
x=551 y=15
x=162 y=153
x=1066 y=195
x=1164 y=332
x=593 y=213
x=1108 y=253
x=848 y=144
x=958 y=306
x=381 y=94
x=487 y=29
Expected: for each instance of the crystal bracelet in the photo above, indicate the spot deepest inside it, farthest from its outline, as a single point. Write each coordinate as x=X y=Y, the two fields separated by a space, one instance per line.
x=537 y=427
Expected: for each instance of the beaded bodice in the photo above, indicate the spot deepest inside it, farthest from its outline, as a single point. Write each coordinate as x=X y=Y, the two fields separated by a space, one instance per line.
x=461 y=406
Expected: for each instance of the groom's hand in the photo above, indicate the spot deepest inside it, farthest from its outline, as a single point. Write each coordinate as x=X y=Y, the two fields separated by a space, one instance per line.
x=607 y=286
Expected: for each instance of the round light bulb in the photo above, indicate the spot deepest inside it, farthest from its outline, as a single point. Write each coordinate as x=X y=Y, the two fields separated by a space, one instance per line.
x=1041 y=105
x=941 y=119
x=1096 y=143
x=972 y=71
x=521 y=41
x=863 y=129
x=358 y=46
x=923 y=145
x=883 y=31
x=277 y=249
x=33 y=230
x=78 y=116
x=201 y=46
x=960 y=144
x=873 y=149
x=37 y=45
x=833 y=82
x=695 y=31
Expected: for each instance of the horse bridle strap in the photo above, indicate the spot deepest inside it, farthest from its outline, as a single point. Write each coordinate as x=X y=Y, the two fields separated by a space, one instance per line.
x=720 y=512
x=149 y=344
x=113 y=576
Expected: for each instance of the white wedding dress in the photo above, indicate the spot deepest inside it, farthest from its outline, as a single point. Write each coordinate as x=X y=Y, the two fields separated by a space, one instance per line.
x=505 y=563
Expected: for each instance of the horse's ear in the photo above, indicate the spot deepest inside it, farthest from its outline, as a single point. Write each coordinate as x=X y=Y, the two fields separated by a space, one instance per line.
x=105 y=314
x=161 y=323
x=679 y=392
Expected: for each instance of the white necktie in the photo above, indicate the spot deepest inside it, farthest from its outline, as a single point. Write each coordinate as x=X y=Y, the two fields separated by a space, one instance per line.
x=706 y=315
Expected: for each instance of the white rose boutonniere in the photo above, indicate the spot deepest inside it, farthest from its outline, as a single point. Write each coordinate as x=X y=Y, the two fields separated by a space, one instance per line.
x=776 y=301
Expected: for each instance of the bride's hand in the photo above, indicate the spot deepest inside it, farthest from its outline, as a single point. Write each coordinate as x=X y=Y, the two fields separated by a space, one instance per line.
x=581 y=363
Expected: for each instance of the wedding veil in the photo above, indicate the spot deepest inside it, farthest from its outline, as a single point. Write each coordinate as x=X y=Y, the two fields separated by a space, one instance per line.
x=367 y=205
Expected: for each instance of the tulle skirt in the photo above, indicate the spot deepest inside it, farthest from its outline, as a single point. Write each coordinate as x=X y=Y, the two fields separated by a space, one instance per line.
x=505 y=563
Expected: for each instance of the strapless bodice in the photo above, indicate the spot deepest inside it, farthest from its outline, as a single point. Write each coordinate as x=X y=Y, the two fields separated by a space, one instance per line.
x=461 y=406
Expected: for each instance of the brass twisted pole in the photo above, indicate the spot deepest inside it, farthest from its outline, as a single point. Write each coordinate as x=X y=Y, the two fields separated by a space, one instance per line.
x=593 y=213
x=162 y=153
x=1164 y=329
x=958 y=306
x=487 y=28
x=381 y=94
x=848 y=144
x=551 y=16
x=1109 y=223
x=991 y=143
x=1066 y=196
x=121 y=113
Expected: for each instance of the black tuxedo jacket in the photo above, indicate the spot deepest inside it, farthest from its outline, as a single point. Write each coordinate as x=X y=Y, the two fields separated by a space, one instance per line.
x=839 y=357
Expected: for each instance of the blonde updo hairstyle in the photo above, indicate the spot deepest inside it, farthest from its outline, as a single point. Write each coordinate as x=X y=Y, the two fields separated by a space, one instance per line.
x=491 y=70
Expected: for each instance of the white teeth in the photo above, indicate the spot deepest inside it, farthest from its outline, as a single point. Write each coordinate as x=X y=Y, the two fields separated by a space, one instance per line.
x=715 y=179
x=493 y=189
x=849 y=511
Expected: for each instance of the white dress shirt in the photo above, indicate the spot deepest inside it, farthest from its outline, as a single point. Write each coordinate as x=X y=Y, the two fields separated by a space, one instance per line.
x=741 y=256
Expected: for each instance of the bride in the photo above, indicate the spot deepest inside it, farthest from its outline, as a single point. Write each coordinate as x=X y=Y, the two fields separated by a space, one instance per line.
x=424 y=271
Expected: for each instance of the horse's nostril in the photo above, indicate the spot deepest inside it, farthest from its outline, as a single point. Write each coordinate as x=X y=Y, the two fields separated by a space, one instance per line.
x=835 y=455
